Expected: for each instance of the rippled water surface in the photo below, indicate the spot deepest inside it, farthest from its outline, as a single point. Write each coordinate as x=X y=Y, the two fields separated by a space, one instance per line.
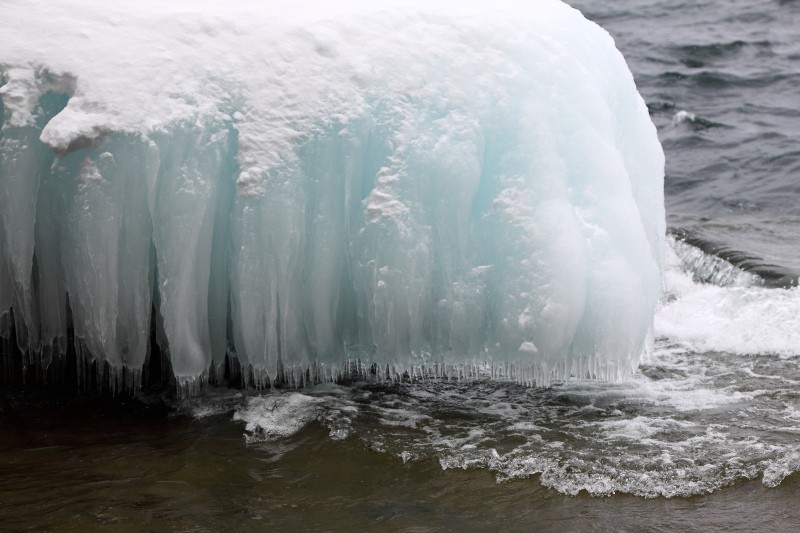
x=722 y=81
x=425 y=457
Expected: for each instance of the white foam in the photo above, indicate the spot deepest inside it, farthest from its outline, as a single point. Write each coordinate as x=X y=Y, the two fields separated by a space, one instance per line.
x=699 y=423
x=277 y=416
x=778 y=469
x=640 y=429
x=740 y=319
x=683 y=116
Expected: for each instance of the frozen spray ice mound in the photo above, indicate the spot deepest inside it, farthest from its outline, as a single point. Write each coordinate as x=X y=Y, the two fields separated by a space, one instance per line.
x=409 y=183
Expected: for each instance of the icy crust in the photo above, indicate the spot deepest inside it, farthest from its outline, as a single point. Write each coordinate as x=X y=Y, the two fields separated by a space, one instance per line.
x=407 y=183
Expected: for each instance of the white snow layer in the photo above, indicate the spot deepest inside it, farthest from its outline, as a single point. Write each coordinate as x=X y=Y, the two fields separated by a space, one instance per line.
x=408 y=182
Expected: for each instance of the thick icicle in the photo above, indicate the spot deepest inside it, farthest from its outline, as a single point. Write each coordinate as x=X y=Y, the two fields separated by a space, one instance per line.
x=192 y=162
x=106 y=246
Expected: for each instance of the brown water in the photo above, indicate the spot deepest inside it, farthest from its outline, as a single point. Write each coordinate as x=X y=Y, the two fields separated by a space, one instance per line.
x=87 y=468
x=713 y=430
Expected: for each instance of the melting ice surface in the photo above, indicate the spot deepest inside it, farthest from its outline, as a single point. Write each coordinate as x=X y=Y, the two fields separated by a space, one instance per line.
x=406 y=182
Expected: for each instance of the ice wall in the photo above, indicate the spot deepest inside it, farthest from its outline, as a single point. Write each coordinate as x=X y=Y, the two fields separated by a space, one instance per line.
x=405 y=182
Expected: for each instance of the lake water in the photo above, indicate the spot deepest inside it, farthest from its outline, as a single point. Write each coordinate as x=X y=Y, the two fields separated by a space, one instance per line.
x=706 y=436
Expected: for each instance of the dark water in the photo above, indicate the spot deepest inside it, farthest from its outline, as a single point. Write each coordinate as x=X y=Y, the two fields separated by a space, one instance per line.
x=722 y=81
x=119 y=470
x=706 y=436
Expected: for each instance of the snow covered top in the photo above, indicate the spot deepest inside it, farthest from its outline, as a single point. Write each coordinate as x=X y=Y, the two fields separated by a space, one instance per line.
x=279 y=71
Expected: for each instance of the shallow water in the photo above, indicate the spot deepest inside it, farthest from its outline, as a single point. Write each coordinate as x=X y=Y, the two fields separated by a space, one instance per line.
x=93 y=469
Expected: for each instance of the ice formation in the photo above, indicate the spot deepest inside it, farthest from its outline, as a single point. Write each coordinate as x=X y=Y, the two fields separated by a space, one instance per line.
x=406 y=183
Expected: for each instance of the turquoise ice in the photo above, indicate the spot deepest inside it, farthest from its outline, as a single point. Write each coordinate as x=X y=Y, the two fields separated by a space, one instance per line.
x=403 y=183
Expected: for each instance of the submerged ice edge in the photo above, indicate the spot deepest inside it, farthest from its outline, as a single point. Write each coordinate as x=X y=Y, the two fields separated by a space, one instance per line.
x=358 y=371
x=371 y=206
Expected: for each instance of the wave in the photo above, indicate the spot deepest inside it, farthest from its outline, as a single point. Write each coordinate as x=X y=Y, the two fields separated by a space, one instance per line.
x=700 y=55
x=714 y=304
x=768 y=274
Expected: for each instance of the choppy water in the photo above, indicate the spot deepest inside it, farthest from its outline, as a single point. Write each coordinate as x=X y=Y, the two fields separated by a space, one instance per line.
x=722 y=81
x=710 y=423
x=95 y=470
